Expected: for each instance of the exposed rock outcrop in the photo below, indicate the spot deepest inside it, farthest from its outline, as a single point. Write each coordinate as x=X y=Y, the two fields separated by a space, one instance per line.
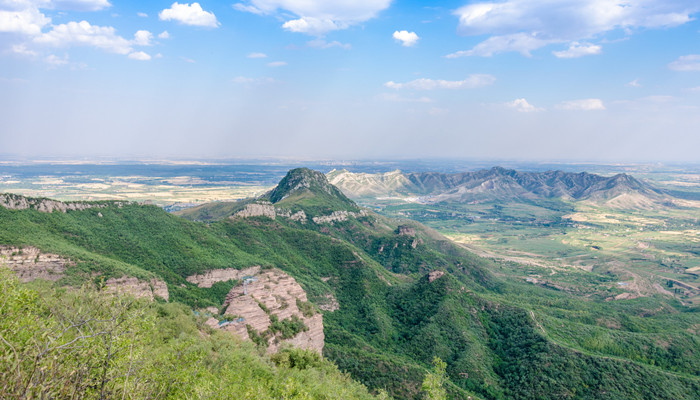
x=338 y=216
x=405 y=230
x=257 y=210
x=433 y=275
x=17 y=202
x=330 y=303
x=207 y=279
x=265 y=209
x=272 y=293
x=137 y=288
x=29 y=263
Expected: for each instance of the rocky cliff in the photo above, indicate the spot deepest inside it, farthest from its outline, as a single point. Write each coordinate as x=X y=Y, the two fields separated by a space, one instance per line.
x=29 y=263
x=207 y=279
x=272 y=295
x=137 y=288
x=17 y=202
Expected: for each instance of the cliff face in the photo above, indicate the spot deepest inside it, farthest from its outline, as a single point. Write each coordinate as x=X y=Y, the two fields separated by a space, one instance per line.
x=137 y=288
x=272 y=294
x=29 y=263
x=16 y=202
x=207 y=279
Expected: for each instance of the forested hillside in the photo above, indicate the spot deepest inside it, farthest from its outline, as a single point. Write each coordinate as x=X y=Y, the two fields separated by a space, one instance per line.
x=393 y=294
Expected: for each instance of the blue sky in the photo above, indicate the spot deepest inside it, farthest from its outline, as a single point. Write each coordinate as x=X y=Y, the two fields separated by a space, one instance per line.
x=598 y=80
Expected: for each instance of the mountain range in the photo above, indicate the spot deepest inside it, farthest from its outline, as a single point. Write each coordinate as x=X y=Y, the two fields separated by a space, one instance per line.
x=500 y=184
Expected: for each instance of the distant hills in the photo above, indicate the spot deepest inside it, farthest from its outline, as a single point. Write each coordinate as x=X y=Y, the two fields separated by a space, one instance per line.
x=501 y=184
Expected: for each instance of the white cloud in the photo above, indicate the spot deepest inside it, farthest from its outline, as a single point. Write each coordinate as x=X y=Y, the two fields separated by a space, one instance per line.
x=277 y=64
x=317 y=17
x=521 y=42
x=164 y=35
x=634 y=83
x=27 y=21
x=248 y=8
x=257 y=55
x=79 y=5
x=582 y=105
x=188 y=60
x=189 y=15
x=322 y=44
x=139 y=55
x=473 y=81
x=23 y=50
x=406 y=38
x=577 y=49
x=56 y=61
x=686 y=63
x=563 y=21
x=143 y=38
x=312 y=26
x=523 y=106
x=142 y=14
x=83 y=34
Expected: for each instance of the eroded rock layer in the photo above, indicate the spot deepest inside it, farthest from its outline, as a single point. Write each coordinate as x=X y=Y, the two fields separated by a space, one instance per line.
x=272 y=294
x=29 y=263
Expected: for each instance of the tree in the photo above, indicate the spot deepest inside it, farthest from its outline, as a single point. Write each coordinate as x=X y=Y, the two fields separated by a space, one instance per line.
x=433 y=383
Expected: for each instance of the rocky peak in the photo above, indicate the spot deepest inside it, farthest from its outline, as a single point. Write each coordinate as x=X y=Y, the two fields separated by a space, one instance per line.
x=302 y=181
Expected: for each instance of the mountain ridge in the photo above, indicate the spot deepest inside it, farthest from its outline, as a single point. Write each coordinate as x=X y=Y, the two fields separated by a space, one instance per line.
x=497 y=183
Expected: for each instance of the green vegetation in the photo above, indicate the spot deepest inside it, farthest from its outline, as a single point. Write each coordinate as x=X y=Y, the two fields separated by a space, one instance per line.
x=59 y=343
x=499 y=338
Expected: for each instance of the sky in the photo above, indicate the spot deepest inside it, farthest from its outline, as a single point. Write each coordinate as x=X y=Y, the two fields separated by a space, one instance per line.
x=579 y=80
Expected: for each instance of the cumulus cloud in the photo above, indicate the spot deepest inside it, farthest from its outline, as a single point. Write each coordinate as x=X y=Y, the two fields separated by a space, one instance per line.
x=634 y=83
x=139 y=55
x=473 y=81
x=582 y=105
x=686 y=63
x=316 y=17
x=84 y=34
x=27 y=21
x=406 y=38
x=577 y=49
x=143 y=38
x=164 y=35
x=522 y=105
x=543 y=22
x=277 y=64
x=312 y=26
x=189 y=14
x=142 y=14
x=257 y=55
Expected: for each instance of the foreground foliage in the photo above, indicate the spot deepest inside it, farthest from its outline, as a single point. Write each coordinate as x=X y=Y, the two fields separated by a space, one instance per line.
x=79 y=344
